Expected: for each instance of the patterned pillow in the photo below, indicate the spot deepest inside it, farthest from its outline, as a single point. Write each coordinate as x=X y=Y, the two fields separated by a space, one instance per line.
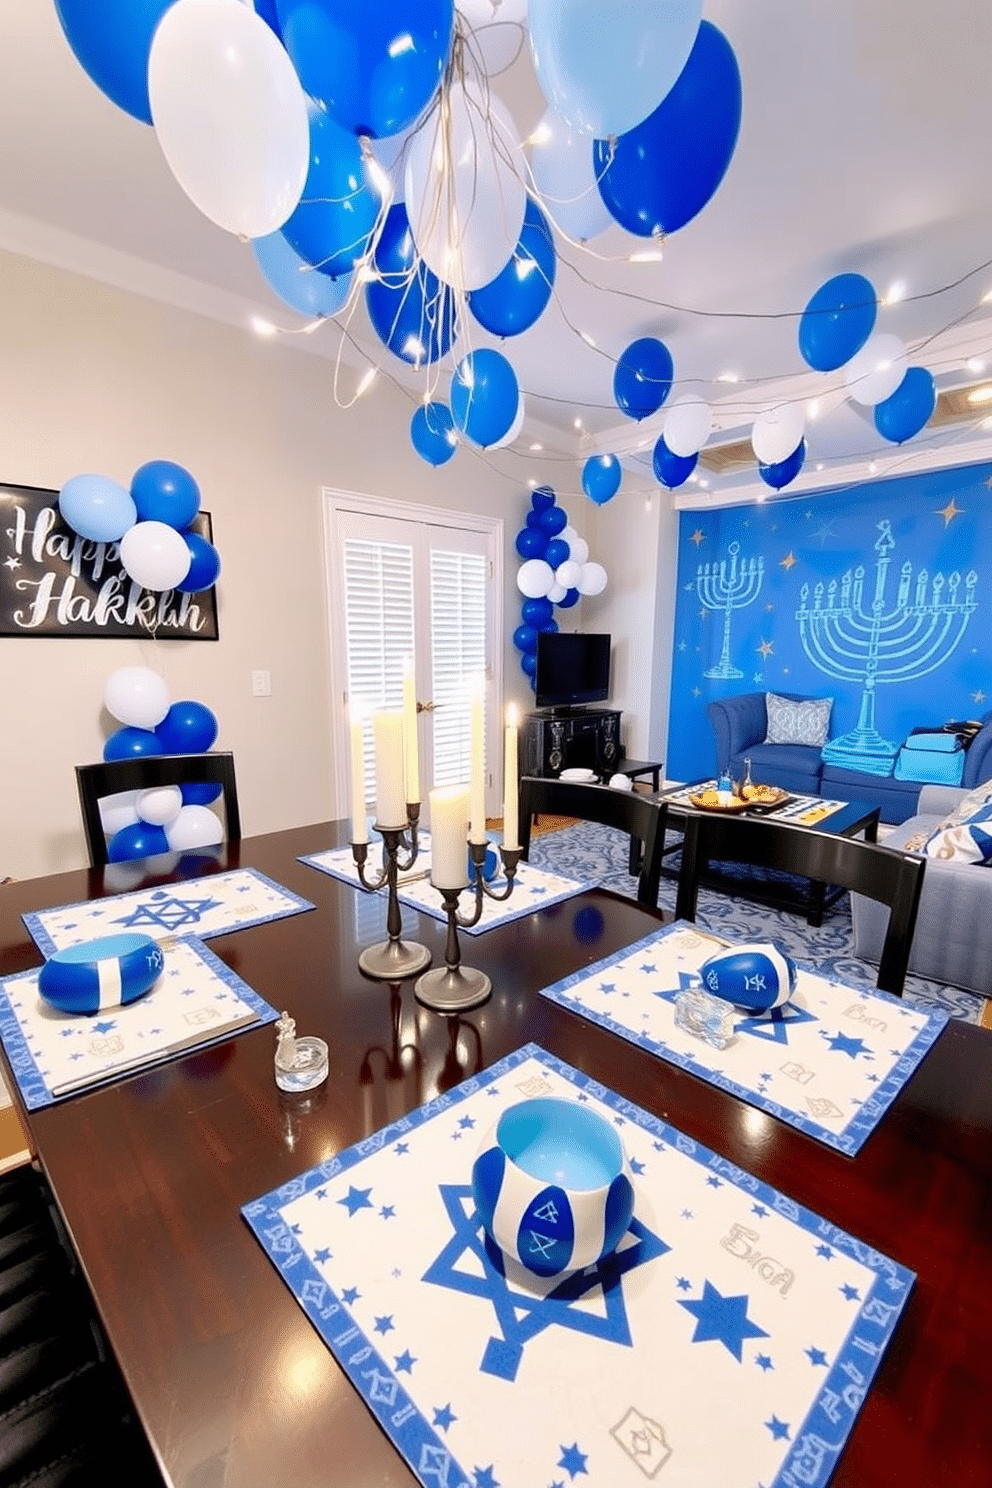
x=805 y=722
x=968 y=842
x=980 y=796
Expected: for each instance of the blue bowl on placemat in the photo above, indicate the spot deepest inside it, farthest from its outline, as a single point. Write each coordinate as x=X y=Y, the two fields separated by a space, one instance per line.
x=551 y=1186
x=101 y=973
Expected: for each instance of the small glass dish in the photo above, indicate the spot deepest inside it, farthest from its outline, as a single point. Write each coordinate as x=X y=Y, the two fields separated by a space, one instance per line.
x=300 y=1063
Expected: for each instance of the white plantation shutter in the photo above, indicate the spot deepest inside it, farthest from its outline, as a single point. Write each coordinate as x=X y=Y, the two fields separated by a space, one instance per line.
x=379 y=628
x=458 y=655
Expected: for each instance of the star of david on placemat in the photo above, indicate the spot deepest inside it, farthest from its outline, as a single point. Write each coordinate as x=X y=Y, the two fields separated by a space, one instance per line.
x=169 y=911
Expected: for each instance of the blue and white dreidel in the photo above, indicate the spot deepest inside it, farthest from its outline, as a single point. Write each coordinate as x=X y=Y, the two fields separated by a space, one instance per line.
x=552 y=1187
x=101 y=974
x=757 y=976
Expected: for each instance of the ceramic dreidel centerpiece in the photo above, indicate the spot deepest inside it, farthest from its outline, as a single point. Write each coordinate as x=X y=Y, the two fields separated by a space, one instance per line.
x=552 y=1186
x=99 y=974
x=758 y=976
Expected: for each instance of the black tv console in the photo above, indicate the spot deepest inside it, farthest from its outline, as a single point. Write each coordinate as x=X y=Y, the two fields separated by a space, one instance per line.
x=567 y=739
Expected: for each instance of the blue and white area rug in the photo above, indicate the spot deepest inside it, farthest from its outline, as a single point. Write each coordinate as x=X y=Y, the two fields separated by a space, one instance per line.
x=202 y=907
x=196 y=1001
x=590 y=851
x=830 y=1062
x=534 y=887
x=729 y=1340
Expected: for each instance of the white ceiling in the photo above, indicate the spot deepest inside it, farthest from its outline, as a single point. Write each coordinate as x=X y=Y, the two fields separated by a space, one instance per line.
x=864 y=146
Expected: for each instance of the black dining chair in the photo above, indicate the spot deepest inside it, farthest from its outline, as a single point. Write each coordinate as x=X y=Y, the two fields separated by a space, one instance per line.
x=148 y=772
x=641 y=817
x=882 y=873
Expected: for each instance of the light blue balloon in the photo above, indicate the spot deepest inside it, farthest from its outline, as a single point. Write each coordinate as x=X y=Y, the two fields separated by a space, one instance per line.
x=601 y=477
x=484 y=397
x=97 y=507
x=603 y=66
x=297 y=283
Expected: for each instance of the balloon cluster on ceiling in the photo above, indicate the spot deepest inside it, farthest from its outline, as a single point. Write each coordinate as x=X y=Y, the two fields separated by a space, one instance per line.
x=150 y=523
x=362 y=151
x=555 y=571
x=171 y=818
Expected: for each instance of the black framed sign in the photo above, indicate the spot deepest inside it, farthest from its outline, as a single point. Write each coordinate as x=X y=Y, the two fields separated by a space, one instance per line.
x=55 y=583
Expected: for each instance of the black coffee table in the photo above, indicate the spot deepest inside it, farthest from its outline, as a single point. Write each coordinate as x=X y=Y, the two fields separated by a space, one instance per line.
x=782 y=890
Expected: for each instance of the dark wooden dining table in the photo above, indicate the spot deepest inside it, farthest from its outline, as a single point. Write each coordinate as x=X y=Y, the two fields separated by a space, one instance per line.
x=234 y=1387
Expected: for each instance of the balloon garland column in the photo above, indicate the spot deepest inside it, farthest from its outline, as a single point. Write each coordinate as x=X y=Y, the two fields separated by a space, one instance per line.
x=555 y=571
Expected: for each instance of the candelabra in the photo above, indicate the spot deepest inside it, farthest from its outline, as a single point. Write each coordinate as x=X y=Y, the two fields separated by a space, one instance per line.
x=454 y=988
x=872 y=644
x=392 y=960
x=729 y=589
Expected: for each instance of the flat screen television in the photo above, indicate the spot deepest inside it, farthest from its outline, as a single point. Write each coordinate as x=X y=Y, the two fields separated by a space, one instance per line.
x=572 y=669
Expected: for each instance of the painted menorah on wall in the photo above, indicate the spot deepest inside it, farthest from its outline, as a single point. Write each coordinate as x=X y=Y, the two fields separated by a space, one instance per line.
x=875 y=645
x=728 y=586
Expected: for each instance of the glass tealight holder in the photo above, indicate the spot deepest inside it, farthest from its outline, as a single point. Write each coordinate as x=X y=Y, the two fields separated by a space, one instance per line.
x=300 y=1063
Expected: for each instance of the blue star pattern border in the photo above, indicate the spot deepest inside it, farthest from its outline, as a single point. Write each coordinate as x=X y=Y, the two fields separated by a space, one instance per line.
x=731 y=1338
x=533 y=888
x=198 y=1000
x=203 y=907
x=830 y=1063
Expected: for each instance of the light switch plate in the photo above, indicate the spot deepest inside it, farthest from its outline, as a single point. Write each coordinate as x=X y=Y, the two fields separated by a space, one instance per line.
x=261 y=684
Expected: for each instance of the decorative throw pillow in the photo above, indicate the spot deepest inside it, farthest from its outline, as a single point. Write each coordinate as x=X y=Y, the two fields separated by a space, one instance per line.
x=804 y=722
x=979 y=796
x=968 y=842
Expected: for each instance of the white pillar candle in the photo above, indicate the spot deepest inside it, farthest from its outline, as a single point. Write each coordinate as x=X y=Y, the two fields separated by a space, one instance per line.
x=390 y=787
x=411 y=751
x=510 y=787
x=359 y=827
x=449 y=837
x=477 y=759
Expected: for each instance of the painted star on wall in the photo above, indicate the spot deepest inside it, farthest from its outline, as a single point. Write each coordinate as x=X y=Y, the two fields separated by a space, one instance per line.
x=949 y=512
x=766 y=649
x=698 y=536
x=789 y=561
x=978 y=697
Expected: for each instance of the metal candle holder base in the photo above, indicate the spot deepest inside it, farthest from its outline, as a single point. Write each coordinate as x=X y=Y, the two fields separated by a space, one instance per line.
x=392 y=960
x=455 y=988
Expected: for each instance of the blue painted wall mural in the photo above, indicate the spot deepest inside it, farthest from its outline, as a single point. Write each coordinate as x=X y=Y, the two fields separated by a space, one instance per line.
x=879 y=596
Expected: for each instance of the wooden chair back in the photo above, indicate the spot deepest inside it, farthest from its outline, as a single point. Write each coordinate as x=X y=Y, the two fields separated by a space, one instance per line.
x=641 y=817
x=148 y=772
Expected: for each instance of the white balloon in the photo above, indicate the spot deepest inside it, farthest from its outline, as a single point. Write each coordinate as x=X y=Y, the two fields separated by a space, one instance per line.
x=567 y=573
x=564 y=174
x=161 y=805
x=557 y=592
x=777 y=432
x=592 y=579
x=498 y=32
x=118 y=811
x=534 y=578
x=687 y=426
x=568 y=534
x=579 y=550
x=874 y=372
x=137 y=696
x=155 y=555
x=465 y=194
x=230 y=114
x=515 y=427
x=195 y=826
x=620 y=782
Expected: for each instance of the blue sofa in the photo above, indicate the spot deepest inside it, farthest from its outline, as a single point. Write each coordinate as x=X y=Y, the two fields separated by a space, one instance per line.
x=741 y=723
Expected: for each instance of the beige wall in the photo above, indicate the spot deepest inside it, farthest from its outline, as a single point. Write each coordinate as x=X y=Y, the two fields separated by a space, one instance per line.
x=93 y=379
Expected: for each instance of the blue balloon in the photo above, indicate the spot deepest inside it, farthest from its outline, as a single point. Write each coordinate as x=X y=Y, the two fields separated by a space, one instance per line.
x=655 y=178
x=484 y=397
x=140 y=840
x=490 y=866
x=297 y=283
x=372 y=67
x=411 y=311
x=553 y=520
x=111 y=40
x=519 y=294
x=784 y=471
x=536 y=611
x=132 y=743
x=267 y=10
x=97 y=507
x=548 y=627
x=534 y=520
x=642 y=378
x=837 y=322
x=601 y=477
x=188 y=728
x=525 y=638
x=571 y=598
x=200 y=792
x=432 y=433
x=531 y=542
x=557 y=552
x=904 y=413
x=542 y=498
x=528 y=663
x=204 y=565
x=671 y=470
x=333 y=224
x=164 y=492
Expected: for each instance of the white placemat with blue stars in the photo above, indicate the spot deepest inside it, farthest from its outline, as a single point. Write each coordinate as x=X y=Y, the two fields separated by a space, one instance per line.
x=196 y=1001
x=201 y=906
x=830 y=1062
x=729 y=1340
x=533 y=888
